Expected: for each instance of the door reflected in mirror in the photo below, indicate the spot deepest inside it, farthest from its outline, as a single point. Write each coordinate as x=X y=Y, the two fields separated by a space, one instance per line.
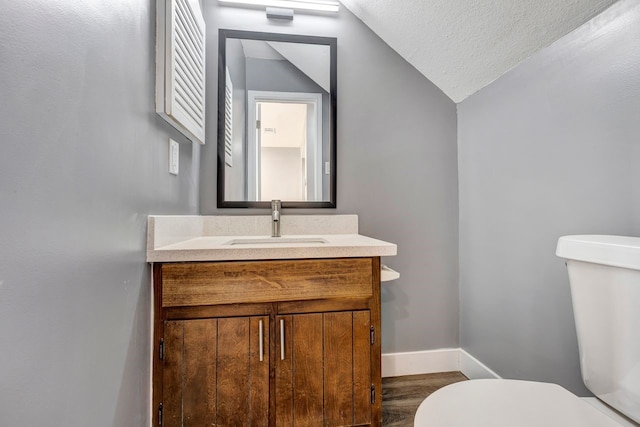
x=285 y=150
x=276 y=121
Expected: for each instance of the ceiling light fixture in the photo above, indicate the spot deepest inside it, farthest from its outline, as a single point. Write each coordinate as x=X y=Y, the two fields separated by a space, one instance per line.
x=316 y=5
x=279 y=13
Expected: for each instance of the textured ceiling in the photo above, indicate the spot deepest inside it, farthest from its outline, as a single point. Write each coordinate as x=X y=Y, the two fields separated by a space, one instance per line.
x=463 y=45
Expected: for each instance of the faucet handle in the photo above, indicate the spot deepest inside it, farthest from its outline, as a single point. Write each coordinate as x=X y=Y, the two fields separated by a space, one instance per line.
x=275 y=218
x=276 y=205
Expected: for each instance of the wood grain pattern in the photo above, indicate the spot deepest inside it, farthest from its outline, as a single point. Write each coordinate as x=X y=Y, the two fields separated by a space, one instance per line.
x=158 y=334
x=324 y=305
x=210 y=311
x=328 y=307
x=233 y=371
x=172 y=378
x=258 y=372
x=308 y=401
x=199 y=383
x=376 y=348
x=403 y=395
x=284 y=374
x=193 y=284
x=338 y=369
x=361 y=367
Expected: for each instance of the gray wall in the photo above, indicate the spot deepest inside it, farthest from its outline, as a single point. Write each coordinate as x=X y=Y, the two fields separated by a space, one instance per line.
x=84 y=161
x=397 y=168
x=549 y=149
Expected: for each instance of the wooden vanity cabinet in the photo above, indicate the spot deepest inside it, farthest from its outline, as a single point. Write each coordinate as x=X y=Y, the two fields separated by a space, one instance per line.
x=267 y=343
x=323 y=376
x=212 y=371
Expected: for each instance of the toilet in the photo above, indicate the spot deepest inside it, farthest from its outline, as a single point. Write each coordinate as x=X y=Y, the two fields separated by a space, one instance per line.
x=604 y=276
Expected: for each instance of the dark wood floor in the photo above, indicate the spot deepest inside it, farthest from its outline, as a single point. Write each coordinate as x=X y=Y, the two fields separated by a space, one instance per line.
x=401 y=396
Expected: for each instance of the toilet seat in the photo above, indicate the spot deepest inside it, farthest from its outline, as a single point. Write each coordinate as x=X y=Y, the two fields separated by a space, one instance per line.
x=507 y=403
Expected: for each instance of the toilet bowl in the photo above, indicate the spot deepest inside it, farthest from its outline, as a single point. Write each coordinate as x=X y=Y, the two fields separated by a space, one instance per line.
x=604 y=276
x=510 y=403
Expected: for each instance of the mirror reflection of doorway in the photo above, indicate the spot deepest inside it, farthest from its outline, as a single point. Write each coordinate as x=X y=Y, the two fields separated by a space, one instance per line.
x=282 y=139
x=285 y=151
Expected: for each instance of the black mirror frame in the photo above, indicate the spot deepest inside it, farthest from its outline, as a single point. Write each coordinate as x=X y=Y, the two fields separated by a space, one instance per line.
x=290 y=38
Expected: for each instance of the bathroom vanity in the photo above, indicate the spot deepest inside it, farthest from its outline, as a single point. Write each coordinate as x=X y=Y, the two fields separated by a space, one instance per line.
x=250 y=330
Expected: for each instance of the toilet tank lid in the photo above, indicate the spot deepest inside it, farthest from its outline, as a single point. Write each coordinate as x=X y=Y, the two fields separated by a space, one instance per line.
x=617 y=251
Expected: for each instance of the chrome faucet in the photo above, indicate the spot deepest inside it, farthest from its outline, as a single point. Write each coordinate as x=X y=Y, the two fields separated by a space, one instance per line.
x=276 y=205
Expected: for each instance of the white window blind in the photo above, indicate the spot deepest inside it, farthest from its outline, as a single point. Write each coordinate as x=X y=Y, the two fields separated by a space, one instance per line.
x=180 y=66
x=228 y=120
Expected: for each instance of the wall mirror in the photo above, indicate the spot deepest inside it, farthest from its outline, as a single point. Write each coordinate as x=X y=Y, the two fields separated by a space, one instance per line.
x=276 y=120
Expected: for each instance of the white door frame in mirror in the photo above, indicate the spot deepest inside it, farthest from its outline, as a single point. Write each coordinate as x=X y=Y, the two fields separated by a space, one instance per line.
x=314 y=145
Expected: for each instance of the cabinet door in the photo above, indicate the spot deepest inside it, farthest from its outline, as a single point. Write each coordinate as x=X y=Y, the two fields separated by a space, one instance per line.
x=216 y=372
x=323 y=369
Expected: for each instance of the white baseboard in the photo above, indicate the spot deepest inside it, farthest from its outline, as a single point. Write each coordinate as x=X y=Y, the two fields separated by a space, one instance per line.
x=474 y=369
x=432 y=361
x=420 y=362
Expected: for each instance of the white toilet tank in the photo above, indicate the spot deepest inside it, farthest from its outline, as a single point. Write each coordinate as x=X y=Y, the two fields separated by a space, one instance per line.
x=604 y=275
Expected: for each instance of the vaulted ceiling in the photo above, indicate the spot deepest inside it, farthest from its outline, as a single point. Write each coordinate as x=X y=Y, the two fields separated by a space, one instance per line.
x=463 y=45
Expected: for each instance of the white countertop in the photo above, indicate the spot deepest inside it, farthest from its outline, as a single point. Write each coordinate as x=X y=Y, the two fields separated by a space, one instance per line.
x=195 y=238
x=218 y=248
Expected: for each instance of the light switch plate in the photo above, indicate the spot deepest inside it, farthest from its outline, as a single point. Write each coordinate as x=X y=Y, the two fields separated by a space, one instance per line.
x=174 y=157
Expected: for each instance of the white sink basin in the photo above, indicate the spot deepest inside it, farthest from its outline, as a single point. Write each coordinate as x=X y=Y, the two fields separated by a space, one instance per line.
x=277 y=241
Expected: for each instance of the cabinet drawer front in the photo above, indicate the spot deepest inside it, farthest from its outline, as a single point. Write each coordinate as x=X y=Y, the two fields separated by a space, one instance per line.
x=192 y=284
